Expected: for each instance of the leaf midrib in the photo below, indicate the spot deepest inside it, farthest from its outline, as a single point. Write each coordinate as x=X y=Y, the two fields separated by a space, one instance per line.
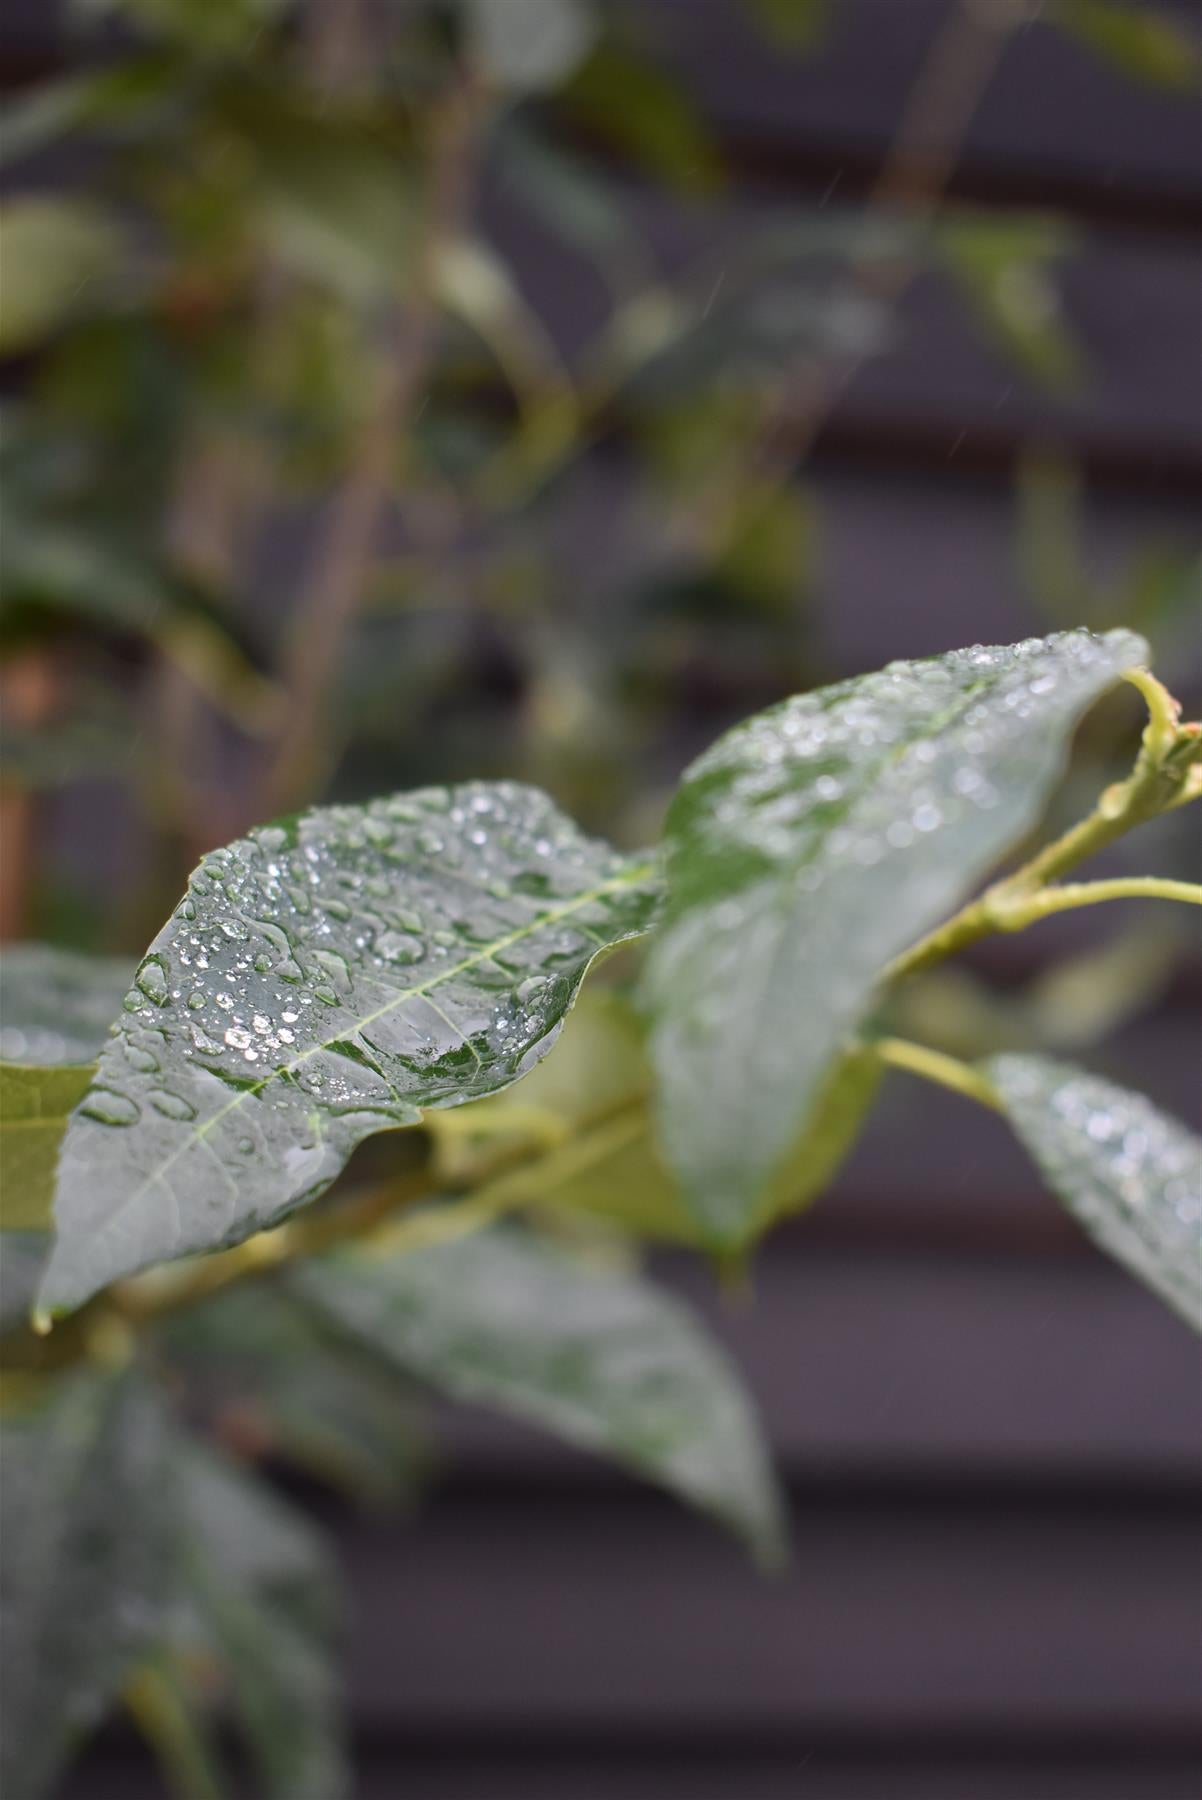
x=628 y=878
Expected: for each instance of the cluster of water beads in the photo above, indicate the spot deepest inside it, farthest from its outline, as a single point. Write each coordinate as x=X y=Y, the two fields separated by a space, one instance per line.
x=854 y=773
x=359 y=953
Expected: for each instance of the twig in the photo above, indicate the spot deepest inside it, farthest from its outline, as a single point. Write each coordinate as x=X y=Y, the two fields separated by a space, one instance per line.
x=333 y=593
x=911 y=185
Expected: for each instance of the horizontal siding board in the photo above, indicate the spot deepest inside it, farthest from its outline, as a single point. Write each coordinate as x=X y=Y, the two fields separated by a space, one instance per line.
x=1052 y=110
x=508 y=1613
x=601 y=1770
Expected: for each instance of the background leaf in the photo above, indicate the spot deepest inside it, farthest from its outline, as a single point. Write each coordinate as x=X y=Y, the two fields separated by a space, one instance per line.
x=276 y=1381
x=582 y=1132
x=324 y=979
x=57 y=1004
x=85 y=1518
x=1128 y=1173
x=34 y=1107
x=57 y=255
x=605 y=1361
x=1144 y=42
x=806 y=849
x=257 y=1595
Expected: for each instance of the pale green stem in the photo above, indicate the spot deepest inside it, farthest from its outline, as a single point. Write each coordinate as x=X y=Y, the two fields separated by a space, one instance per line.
x=1015 y=915
x=1166 y=774
x=1164 y=712
x=163 y=1720
x=933 y=1065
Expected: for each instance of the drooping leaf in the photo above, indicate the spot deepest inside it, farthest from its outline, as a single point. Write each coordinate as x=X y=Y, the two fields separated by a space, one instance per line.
x=277 y=1381
x=56 y=1006
x=805 y=850
x=607 y=1362
x=85 y=1514
x=1128 y=1173
x=258 y=1598
x=582 y=1133
x=324 y=979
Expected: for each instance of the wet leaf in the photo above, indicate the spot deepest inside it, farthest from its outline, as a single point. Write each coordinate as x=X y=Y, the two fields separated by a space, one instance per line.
x=324 y=979
x=810 y=846
x=1127 y=1172
x=606 y=1361
x=258 y=1597
x=84 y=1527
x=582 y=1131
x=57 y=1005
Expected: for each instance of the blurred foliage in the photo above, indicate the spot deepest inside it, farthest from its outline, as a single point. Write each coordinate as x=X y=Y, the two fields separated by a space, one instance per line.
x=235 y=230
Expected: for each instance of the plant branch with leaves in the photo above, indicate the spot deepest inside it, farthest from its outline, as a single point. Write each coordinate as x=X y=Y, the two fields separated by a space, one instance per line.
x=409 y=966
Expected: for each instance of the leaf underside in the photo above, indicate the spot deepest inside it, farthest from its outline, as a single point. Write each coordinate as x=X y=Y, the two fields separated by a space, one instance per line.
x=1128 y=1173
x=324 y=979
x=809 y=847
x=607 y=1362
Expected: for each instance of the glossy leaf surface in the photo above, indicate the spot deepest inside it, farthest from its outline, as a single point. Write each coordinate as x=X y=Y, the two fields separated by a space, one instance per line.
x=606 y=1361
x=84 y=1527
x=810 y=846
x=1128 y=1173
x=324 y=979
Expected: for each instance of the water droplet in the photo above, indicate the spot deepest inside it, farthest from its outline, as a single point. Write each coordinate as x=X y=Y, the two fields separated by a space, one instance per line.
x=171 y=1105
x=400 y=947
x=151 y=979
x=108 y=1107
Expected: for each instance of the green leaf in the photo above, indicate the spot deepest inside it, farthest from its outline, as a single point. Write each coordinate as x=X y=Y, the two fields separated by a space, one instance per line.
x=1005 y=268
x=277 y=1379
x=58 y=1004
x=810 y=846
x=525 y=45
x=1128 y=1173
x=626 y=100
x=335 y=195
x=324 y=979
x=34 y=1107
x=587 y=1110
x=797 y=24
x=84 y=1513
x=1144 y=42
x=607 y=1362
x=258 y=1596
x=57 y=254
